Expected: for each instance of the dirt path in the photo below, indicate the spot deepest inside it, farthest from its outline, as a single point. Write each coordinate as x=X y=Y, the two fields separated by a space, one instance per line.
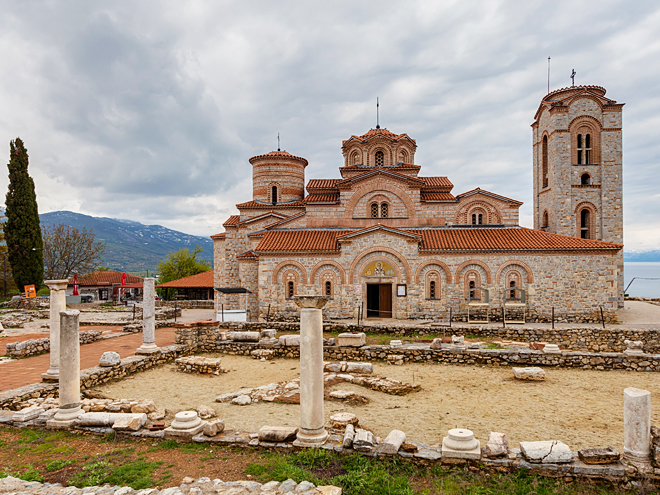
x=582 y=408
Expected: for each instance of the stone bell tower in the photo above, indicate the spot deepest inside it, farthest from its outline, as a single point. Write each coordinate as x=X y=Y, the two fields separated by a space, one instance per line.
x=278 y=177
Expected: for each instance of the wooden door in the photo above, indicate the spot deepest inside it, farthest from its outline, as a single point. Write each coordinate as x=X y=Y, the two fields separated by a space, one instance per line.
x=385 y=300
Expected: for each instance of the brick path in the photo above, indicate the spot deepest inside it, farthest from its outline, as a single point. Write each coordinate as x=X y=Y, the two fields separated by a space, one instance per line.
x=26 y=371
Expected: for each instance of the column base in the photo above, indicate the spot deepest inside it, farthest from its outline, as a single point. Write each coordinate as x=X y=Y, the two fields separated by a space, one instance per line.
x=641 y=463
x=65 y=417
x=51 y=376
x=311 y=438
x=148 y=349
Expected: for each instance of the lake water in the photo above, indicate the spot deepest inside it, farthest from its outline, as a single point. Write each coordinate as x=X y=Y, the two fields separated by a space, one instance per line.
x=642 y=270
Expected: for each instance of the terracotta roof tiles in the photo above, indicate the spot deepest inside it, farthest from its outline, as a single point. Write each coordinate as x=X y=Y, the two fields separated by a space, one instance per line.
x=106 y=277
x=270 y=206
x=322 y=184
x=278 y=154
x=300 y=240
x=232 y=220
x=322 y=198
x=434 y=196
x=437 y=182
x=204 y=279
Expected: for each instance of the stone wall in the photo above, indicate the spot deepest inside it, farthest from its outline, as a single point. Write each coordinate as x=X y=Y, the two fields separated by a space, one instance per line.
x=576 y=339
x=195 y=304
x=91 y=377
x=39 y=346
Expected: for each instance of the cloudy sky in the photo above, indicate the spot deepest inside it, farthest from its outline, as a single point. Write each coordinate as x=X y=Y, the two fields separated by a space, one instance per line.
x=150 y=110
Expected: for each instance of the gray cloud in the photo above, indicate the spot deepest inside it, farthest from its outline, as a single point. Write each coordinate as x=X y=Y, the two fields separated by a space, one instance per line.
x=150 y=110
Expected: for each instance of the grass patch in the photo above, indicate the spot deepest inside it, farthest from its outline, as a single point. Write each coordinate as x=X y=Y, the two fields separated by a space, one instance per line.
x=136 y=474
x=57 y=465
x=173 y=444
x=29 y=474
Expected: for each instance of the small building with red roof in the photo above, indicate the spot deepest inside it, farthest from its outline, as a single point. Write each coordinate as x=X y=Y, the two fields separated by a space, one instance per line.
x=384 y=241
x=195 y=287
x=104 y=284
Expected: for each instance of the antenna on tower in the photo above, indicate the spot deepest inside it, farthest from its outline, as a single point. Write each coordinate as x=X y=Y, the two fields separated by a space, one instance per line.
x=377 y=114
x=548 y=75
x=573 y=77
x=278 y=141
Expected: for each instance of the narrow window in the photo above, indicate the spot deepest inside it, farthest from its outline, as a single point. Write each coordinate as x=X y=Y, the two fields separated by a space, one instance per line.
x=583 y=149
x=545 y=161
x=432 y=289
x=584 y=223
x=380 y=158
x=374 y=210
x=579 y=149
x=587 y=148
x=585 y=180
x=477 y=219
x=328 y=288
x=289 y=290
x=472 y=291
x=512 y=293
x=383 y=210
x=273 y=195
x=544 y=224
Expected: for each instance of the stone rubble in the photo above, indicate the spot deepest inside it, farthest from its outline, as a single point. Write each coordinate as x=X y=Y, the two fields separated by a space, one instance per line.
x=605 y=455
x=547 y=452
x=497 y=446
x=200 y=364
x=189 y=486
x=532 y=374
x=110 y=358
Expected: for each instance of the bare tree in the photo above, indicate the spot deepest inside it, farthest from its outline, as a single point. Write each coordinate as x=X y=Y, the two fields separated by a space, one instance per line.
x=68 y=250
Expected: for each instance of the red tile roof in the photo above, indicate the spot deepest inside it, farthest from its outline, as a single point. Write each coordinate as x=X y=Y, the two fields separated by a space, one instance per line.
x=204 y=279
x=378 y=132
x=233 y=220
x=322 y=198
x=488 y=193
x=248 y=255
x=279 y=154
x=300 y=240
x=107 y=277
x=433 y=196
x=322 y=184
x=441 y=239
x=270 y=206
x=437 y=182
x=221 y=235
x=505 y=239
x=403 y=166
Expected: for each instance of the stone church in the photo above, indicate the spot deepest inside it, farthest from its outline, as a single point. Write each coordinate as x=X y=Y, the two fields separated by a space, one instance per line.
x=385 y=241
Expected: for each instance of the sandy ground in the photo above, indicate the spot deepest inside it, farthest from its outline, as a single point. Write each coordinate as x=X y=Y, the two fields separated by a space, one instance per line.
x=639 y=313
x=579 y=407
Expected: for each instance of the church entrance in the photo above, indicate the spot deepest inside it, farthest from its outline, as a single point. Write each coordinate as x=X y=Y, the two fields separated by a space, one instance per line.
x=379 y=300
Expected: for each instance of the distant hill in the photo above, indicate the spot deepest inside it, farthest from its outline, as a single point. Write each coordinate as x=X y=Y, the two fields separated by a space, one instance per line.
x=642 y=255
x=131 y=246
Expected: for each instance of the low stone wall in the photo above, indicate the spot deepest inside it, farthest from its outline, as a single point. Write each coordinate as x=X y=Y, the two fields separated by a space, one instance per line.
x=196 y=304
x=91 y=377
x=208 y=338
x=576 y=339
x=39 y=346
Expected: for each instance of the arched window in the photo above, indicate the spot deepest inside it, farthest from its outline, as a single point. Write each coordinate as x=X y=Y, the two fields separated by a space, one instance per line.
x=477 y=219
x=403 y=156
x=472 y=284
x=380 y=158
x=585 y=179
x=355 y=158
x=290 y=279
x=545 y=161
x=374 y=210
x=585 y=223
x=545 y=222
x=384 y=210
x=512 y=293
x=583 y=149
x=328 y=288
x=290 y=289
x=432 y=285
x=473 y=292
x=273 y=195
x=432 y=294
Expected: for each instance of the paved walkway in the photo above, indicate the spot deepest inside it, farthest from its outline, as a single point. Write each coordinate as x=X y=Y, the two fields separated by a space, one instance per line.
x=26 y=371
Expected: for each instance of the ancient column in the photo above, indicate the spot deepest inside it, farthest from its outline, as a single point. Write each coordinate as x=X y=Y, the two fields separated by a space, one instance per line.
x=57 y=304
x=312 y=432
x=148 y=318
x=69 y=386
x=637 y=427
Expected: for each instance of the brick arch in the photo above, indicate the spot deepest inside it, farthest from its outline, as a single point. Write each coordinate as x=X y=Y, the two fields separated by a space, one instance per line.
x=365 y=260
x=489 y=276
x=593 y=226
x=494 y=215
x=426 y=263
x=363 y=254
x=579 y=97
x=580 y=119
x=321 y=264
x=278 y=268
x=524 y=266
x=369 y=188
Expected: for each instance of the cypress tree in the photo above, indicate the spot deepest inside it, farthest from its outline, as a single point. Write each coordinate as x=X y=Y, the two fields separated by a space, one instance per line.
x=22 y=230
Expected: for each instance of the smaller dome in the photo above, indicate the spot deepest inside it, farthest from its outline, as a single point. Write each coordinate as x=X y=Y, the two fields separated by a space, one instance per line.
x=280 y=155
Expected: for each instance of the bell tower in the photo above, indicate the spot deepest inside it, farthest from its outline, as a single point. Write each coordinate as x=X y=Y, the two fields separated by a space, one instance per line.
x=578 y=164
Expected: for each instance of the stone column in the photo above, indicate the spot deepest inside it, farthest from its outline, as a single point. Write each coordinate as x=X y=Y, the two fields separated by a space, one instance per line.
x=312 y=432
x=148 y=318
x=57 y=304
x=637 y=427
x=69 y=386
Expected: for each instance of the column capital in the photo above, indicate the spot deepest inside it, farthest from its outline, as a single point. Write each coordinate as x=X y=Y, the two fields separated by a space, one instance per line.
x=56 y=284
x=316 y=302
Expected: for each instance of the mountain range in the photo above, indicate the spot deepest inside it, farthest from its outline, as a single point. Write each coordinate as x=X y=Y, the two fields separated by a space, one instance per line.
x=131 y=246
